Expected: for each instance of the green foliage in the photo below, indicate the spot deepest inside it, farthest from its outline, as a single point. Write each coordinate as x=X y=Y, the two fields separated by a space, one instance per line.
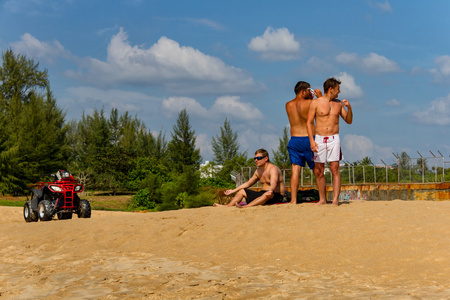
x=181 y=148
x=216 y=182
x=20 y=77
x=150 y=193
x=234 y=164
x=181 y=199
x=281 y=156
x=142 y=201
x=32 y=141
x=202 y=199
x=110 y=150
x=225 y=146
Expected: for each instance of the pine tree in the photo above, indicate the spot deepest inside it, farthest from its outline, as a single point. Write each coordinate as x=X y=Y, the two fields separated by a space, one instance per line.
x=225 y=146
x=33 y=131
x=20 y=77
x=281 y=156
x=181 y=148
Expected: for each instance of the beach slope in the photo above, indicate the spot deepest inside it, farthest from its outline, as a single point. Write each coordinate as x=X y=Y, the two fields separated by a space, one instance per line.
x=362 y=249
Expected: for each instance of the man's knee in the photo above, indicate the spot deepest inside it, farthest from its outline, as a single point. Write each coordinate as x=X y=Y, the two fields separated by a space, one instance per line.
x=296 y=169
x=318 y=171
x=334 y=168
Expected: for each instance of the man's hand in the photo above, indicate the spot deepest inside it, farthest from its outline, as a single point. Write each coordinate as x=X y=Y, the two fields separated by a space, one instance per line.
x=228 y=192
x=346 y=103
x=314 y=147
x=318 y=93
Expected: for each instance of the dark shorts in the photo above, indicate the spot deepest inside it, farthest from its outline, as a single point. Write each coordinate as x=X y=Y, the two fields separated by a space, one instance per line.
x=299 y=149
x=252 y=195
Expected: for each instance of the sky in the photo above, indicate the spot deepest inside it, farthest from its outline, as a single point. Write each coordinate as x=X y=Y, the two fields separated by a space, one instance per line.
x=240 y=60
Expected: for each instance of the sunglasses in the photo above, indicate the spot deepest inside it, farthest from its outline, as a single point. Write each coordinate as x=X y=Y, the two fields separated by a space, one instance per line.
x=259 y=157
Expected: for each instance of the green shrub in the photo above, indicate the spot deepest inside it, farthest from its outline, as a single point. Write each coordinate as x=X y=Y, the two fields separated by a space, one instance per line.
x=202 y=199
x=142 y=200
x=217 y=182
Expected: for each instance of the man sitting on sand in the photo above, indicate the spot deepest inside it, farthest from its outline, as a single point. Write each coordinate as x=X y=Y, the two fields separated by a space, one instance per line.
x=269 y=175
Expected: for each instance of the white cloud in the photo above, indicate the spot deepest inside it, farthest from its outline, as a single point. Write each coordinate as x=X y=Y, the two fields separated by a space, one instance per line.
x=443 y=65
x=275 y=45
x=231 y=105
x=173 y=105
x=372 y=63
x=46 y=51
x=393 y=102
x=356 y=147
x=97 y=98
x=385 y=7
x=204 y=144
x=348 y=86
x=437 y=113
x=251 y=139
x=223 y=106
x=165 y=64
x=207 y=23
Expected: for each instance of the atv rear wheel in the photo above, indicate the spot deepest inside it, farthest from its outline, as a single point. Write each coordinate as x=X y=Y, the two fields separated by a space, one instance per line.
x=45 y=211
x=84 y=209
x=64 y=215
x=29 y=214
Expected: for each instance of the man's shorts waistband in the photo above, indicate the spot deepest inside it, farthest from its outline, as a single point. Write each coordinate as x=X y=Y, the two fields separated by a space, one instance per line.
x=330 y=137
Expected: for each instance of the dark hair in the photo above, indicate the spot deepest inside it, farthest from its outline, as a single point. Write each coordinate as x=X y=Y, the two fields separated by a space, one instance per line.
x=300 y=86
x=263 y=152
x=330 y=83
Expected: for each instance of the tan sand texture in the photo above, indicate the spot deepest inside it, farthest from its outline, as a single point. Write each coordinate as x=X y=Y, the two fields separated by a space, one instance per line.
x=359 y=250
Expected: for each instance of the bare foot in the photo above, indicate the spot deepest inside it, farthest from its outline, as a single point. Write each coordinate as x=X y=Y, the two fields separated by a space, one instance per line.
x=292 y=202
x=321 y=202
x=219 y=205
x=335 y=203
x=240 y=206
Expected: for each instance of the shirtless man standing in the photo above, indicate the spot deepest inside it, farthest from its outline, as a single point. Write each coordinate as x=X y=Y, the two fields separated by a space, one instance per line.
x=269 y=175
x=325 y=111
x=299 y=147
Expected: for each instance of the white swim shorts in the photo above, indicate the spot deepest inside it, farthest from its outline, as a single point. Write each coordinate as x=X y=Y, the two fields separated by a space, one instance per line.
x=329 y=148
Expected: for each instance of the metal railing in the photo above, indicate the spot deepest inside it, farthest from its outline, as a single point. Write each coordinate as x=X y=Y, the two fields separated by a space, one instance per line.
x=405 y=169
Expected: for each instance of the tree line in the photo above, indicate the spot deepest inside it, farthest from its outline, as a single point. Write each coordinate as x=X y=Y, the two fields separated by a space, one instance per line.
x=110 y=153
x=113 y=153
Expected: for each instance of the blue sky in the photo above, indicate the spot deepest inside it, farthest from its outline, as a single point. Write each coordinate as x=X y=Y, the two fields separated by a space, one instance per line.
x=241 y=59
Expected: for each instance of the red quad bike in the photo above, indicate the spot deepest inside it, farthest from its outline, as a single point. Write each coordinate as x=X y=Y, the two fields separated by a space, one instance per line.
x=59 y=197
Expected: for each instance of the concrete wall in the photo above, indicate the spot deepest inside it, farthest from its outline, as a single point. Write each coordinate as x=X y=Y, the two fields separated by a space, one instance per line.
x=395 y=191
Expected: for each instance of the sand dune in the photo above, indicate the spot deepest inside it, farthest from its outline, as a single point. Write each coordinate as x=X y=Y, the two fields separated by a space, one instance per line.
x=373 y=250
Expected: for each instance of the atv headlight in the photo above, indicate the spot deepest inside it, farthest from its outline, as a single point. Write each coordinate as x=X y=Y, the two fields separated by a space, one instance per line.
x=78 y=188
x=56 y=188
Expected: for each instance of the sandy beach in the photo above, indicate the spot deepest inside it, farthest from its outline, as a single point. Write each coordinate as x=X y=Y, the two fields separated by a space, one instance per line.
x=359 y=250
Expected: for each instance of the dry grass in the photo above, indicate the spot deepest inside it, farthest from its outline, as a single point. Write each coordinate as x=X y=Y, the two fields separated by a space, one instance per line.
x=98 y=200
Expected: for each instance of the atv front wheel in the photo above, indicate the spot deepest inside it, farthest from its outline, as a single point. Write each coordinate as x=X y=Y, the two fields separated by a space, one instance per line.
x=84 y=209
x=64 y=215
x=45 y=211
x=29 y=214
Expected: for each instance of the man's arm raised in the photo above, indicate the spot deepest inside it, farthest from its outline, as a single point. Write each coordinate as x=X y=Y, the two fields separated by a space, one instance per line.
x=347 y=115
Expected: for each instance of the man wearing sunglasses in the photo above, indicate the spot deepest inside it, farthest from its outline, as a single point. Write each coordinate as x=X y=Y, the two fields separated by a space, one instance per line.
x=269 y=175
x=299 y=147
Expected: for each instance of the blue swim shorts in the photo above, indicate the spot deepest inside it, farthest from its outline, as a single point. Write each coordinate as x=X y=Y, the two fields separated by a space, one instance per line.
x=299 y=149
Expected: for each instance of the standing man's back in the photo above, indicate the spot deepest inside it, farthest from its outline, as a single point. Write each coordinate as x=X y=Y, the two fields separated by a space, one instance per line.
x=299 y=146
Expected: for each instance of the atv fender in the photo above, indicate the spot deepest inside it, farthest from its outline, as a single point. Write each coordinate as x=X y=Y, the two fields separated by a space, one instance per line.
x=35 y=201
